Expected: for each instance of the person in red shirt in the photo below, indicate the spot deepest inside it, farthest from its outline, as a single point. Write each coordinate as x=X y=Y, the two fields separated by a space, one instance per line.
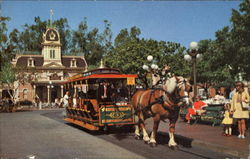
x=196 y=108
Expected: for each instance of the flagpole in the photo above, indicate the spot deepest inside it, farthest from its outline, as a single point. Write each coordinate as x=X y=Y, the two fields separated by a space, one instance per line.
x=51 y=15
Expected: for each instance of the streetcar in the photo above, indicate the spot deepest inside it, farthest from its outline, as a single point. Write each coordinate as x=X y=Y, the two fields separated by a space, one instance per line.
x=100 y=98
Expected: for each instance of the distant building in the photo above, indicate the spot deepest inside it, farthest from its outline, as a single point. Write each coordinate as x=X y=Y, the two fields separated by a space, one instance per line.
x=48 y=70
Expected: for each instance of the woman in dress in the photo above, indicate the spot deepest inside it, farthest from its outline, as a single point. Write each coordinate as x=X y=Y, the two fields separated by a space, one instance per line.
x=239 y=113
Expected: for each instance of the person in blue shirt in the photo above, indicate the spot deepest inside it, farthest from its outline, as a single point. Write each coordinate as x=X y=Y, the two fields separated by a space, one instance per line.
x=231 y=93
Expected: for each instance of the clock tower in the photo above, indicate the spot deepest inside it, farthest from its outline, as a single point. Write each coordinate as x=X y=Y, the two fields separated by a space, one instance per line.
x=51 y=48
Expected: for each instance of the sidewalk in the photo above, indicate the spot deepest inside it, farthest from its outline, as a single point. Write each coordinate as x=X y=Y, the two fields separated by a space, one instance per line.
x=33 y=108
x=209 y=137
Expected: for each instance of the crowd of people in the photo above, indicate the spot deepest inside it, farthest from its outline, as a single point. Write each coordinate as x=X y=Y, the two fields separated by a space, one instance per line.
x=105 y=92
x=234 y=112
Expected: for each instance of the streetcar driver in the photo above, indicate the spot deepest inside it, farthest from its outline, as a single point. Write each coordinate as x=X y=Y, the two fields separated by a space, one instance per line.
x=104 y=91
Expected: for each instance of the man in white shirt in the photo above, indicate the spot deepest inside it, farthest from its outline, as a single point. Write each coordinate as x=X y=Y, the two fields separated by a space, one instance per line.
x=66 y=99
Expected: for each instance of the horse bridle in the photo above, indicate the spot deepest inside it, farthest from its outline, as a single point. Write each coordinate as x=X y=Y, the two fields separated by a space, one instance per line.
x=177 y=94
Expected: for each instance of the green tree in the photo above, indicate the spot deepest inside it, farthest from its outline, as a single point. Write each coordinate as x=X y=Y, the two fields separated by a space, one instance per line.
x=7 y=77
x=14 y=77
x=5 y=47
x=130 y=54
x=14 y=37
x=240 y=33
x=213 y=68
x=30 y=38
x=228 y=55
x=92 y=44
x=65 y=33
x=79 y=38
x=106 y=37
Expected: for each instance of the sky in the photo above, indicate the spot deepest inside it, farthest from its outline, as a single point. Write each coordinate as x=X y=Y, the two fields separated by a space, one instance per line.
x=175 y=21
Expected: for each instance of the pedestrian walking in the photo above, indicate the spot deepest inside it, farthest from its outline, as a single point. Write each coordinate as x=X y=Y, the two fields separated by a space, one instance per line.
x=66 y=99
x=239 y=113
x=228 y=120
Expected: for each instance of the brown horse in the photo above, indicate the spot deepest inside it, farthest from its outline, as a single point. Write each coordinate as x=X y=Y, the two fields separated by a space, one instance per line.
x=161 y=103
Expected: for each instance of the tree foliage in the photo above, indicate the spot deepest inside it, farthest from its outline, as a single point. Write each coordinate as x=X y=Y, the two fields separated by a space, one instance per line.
x=226 y=57
x=92 y=44
x=130 y=54
x=7 y=74
x=240 y=35
x=6 y=49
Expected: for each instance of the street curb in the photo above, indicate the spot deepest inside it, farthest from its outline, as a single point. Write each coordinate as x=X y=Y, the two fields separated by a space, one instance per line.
x=220 y=149
x=36 y=109
x=190 y=142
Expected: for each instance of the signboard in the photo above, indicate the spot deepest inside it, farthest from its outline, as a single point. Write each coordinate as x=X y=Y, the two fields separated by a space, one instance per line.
x=75 y=77
x=130 y=81
x=114 y=115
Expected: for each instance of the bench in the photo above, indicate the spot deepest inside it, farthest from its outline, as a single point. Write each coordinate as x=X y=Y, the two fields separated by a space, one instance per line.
x=212 y=114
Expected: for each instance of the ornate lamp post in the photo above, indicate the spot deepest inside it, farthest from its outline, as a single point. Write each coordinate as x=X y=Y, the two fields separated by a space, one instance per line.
x=50 y=87
x=192 y=55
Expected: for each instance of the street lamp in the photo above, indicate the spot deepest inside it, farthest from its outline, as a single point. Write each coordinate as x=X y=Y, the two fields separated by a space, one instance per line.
x=152 y=67
x=50 y=87
x=192 y=55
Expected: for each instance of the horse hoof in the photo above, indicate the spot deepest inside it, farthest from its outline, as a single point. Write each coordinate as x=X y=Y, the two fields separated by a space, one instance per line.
x=171 y=147
x=174 y=147
x=146 y=142
x=153 y=144
x=137 y=137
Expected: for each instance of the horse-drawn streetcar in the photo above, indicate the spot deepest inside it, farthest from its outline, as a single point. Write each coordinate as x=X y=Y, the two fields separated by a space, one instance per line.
x=100 y=98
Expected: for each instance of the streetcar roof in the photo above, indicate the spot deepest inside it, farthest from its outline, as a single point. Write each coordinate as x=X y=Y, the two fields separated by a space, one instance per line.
x=100 y=73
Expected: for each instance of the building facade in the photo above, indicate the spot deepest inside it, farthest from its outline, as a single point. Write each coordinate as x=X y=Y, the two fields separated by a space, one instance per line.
x=45 y=73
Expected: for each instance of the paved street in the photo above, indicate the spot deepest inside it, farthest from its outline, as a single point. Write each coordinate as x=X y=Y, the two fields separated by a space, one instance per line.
x=45 y=135
x=28 y=133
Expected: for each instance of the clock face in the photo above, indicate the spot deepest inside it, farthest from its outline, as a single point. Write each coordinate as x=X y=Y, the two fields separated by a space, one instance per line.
x=51 y=35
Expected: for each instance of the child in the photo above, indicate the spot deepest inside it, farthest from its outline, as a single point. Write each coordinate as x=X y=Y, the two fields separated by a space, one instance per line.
x=228 y=120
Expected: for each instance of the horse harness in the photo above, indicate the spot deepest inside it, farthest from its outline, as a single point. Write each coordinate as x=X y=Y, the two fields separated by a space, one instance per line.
x=167 y=102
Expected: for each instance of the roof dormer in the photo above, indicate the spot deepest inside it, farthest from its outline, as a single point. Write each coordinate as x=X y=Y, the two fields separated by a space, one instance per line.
x=31 y=62
x=73 y=62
